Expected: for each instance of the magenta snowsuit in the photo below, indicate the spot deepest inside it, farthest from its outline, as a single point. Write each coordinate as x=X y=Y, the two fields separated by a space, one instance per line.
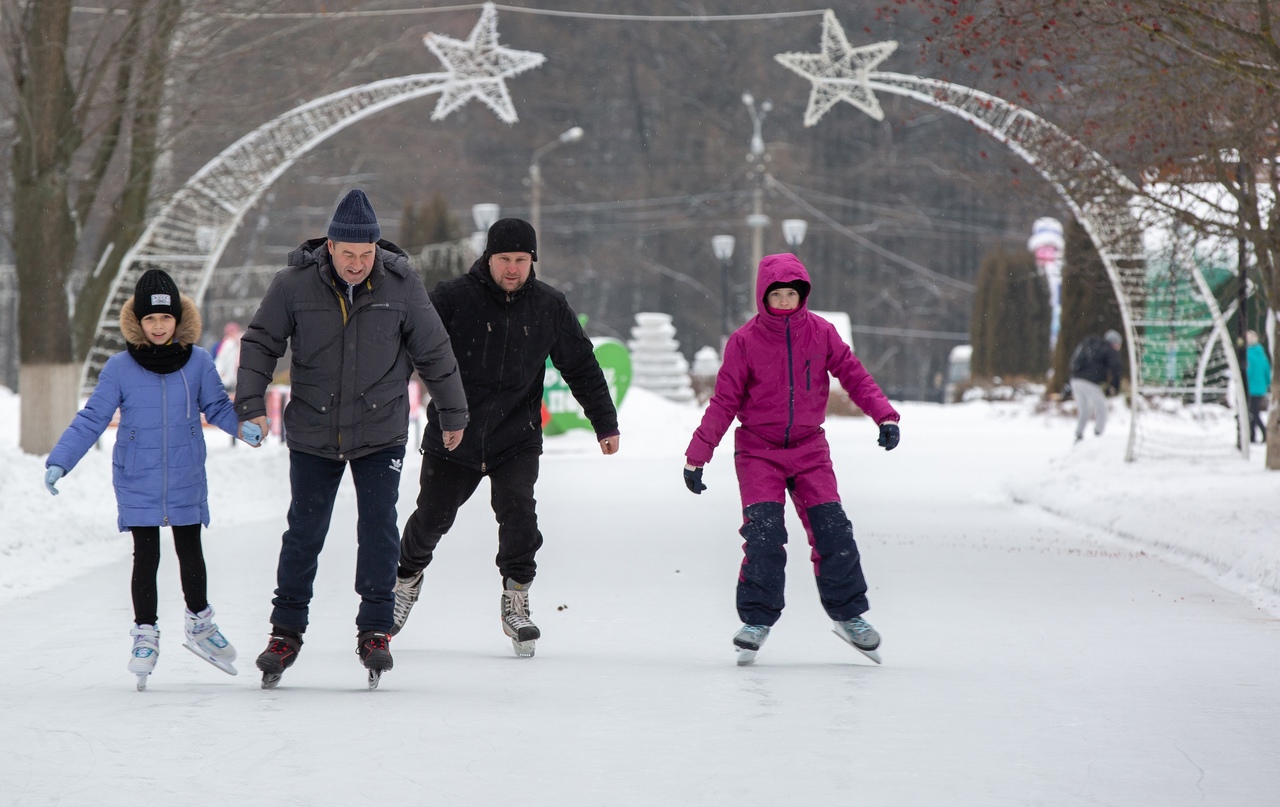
x=775 y=379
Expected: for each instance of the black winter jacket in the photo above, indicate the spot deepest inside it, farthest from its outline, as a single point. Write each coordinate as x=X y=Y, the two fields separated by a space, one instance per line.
x=351 y=361
x=1095 y=360
x=502 y=342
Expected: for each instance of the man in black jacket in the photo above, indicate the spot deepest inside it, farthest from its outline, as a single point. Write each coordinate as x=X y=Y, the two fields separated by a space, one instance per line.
x=359 y=322
x=504 y=323
x=1095 y=363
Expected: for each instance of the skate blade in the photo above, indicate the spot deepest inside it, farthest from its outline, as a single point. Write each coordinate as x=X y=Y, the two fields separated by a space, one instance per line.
x=270 y=680
x=375 y=677
x=745 y=656
x=524 y=649
x=874 y=655
x=142 y=681
x=226 y=666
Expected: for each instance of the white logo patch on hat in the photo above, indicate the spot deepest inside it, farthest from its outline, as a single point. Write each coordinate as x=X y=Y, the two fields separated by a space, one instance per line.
x=161 y=299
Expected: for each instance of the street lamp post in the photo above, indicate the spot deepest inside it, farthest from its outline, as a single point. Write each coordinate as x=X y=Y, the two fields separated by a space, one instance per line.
x=757 y=221
x=535 y=174
x=722 y=246
x=793 y=231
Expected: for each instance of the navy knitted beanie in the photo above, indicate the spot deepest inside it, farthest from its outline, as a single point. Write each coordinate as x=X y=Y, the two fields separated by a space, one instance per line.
x=156 y=293
x=354 y=222
x=512 y=235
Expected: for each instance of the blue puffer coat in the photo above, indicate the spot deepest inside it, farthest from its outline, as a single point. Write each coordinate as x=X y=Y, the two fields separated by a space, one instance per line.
x=157 y=466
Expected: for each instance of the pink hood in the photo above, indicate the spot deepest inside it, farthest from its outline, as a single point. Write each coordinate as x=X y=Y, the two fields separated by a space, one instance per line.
x=777 y=370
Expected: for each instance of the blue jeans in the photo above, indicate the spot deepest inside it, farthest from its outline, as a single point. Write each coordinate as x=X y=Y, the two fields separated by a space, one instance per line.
x=314 y=481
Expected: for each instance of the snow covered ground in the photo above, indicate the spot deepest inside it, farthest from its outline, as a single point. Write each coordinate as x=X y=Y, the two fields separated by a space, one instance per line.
x=1060 y=628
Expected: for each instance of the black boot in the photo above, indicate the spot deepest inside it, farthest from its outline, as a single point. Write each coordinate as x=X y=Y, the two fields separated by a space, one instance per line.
x=374 y=649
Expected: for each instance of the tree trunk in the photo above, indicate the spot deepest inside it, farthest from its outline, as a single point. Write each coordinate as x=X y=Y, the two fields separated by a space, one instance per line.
x=129 y=215
x=46 y=242
x=50 y=395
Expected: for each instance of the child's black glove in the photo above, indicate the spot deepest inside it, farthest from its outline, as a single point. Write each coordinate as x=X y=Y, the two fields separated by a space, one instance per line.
x=693 y=480
x=889 y=436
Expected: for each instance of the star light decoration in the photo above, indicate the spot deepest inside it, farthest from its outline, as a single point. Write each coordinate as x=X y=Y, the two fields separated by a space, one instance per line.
x=478 y=66
x=840 y=72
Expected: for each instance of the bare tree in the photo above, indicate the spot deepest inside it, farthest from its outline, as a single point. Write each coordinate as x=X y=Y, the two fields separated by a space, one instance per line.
x=1180 y=94
x=87 y=96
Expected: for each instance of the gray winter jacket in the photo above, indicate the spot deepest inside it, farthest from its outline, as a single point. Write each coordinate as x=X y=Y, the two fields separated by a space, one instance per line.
x=351 y=361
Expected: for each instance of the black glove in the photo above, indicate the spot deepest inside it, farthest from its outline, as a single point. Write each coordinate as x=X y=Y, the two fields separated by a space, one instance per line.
x=693 y=480
x=889 y=436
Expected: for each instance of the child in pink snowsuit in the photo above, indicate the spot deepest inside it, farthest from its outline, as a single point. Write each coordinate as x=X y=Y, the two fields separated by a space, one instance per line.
x=775 y=380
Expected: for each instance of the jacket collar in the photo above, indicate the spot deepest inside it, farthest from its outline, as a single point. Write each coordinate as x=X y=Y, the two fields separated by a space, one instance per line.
x=315 y=253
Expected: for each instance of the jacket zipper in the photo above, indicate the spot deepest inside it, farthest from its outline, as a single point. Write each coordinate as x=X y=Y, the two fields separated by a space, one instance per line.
x=164 y=450
x=502 y=367
x=791 y=389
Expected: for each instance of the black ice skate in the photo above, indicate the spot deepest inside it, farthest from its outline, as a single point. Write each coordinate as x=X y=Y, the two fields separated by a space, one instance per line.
x=374 y=649
x=515 y=618
x=282 y=651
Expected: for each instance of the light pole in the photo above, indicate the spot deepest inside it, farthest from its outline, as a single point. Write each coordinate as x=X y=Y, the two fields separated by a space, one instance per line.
x=757 y=221
x=722 y=246
x=484 y=216
x=535 y=174
x=793 y=231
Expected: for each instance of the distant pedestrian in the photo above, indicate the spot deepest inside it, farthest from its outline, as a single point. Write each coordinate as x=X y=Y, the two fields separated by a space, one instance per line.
x=161 y=384
x=1258 y=370
x=226 y=355
x=1095 y=374
x=775 y=381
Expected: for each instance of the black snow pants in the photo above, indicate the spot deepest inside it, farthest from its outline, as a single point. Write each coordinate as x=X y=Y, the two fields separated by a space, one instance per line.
x=837 y=566
x=445 y=486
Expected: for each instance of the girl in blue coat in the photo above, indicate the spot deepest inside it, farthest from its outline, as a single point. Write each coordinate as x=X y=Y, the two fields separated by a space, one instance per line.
x=161 y=384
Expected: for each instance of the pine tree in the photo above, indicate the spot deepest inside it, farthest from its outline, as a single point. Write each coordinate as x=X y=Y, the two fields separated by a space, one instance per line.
x=1010 y=324
x=428 y=234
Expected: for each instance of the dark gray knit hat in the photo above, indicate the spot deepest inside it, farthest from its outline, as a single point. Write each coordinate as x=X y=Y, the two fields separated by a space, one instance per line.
x=156 y=293
x=512 y=235
x=354 y=222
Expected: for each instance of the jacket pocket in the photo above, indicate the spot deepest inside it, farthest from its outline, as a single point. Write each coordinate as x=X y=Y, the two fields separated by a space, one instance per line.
x=384 y=413
x=125 y=454
x=310 y=411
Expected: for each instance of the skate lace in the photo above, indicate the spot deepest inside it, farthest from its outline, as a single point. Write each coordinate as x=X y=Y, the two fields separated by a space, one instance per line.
x=755 y=632
x=406 y=597
x=374 y=643
x=279 y=647
x=515 y=609
x=858 y=625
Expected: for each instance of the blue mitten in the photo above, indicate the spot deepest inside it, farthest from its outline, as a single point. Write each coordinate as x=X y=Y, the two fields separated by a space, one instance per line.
x=251 y=433
x=889 y=436
x=51 y=477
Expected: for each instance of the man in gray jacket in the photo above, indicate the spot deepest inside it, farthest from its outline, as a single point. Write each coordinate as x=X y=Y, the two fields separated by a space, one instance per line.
x=358 y=322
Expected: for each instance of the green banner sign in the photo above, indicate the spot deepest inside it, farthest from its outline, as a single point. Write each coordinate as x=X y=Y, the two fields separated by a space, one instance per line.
x=560 y=411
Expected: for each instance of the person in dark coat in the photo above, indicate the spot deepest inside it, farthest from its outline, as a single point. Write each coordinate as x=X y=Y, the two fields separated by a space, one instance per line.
x=504 y=324
x=161 y=384
x=358 y=322
x=1095 y=372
